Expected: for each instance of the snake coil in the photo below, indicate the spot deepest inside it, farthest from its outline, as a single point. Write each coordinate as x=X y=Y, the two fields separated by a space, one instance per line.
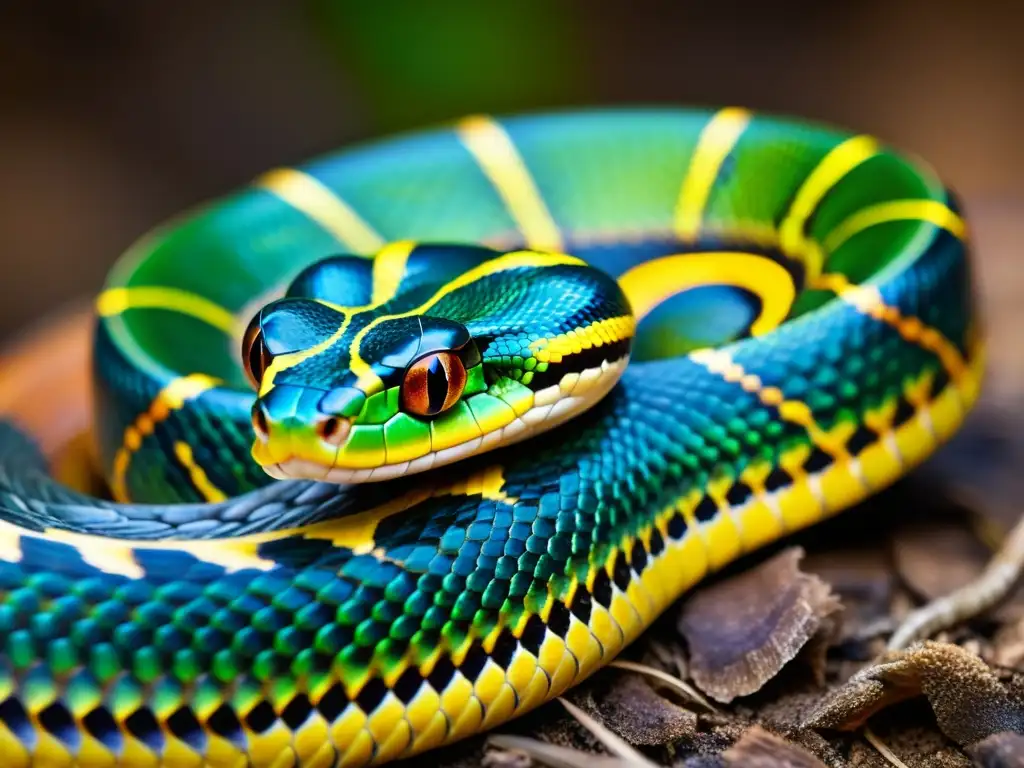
x=518 y=385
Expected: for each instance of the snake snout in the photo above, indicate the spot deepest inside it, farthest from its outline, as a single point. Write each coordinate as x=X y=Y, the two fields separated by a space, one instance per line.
x=290 y=425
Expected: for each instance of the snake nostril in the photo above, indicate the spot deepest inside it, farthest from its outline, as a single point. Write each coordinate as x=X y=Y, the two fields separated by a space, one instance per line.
x=333 y=430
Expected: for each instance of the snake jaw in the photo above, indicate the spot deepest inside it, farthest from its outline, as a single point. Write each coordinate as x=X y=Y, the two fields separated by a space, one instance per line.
x=505 y=414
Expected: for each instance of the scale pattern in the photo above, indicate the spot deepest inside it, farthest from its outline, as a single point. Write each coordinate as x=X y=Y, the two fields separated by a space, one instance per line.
x=296 y=624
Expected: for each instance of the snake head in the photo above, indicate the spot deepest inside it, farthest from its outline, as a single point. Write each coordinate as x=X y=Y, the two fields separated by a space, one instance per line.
x=446 y=368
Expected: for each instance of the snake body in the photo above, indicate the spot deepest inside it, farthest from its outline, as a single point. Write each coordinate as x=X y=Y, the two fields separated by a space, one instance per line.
x=458 y=306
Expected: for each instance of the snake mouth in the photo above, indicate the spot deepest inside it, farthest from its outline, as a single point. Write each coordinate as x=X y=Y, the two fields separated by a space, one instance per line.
x=512 y=422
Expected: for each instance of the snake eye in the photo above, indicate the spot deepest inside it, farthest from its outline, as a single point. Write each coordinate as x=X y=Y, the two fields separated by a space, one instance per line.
x=433 y=384
x=256 y=358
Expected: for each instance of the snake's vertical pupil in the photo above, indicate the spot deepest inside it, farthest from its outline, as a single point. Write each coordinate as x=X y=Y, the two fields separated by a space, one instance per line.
x=256 y=357
x=437 y=384
x=433 y=384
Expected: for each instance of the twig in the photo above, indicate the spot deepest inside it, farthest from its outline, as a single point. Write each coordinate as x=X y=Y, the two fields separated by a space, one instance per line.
x=611 y=741
x=887 y=753
x=1000 y=576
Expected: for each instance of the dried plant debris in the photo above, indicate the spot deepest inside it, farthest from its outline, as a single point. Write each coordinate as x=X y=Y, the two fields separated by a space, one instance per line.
x=969 y=701
x=743 y=630
x=758 y=748
x=1000 y=750
x=629 y=706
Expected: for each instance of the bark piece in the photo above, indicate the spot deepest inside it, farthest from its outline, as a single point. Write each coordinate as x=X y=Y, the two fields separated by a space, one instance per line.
x=742 y=631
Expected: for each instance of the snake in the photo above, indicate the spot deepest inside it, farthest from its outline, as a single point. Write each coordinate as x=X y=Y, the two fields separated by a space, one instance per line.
x=406 y=441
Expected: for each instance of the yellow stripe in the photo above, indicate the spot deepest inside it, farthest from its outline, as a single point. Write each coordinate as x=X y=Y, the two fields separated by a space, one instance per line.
x=198 y=476
x=290 y=360
x=830 y=171
x=10 y=542
x=597 y=334
x=367 y=380
x=115 y=301
x=931 y=211
x=715 y=143
x=313 y=198
x=497 y=156
x=649 y=284
x=868 y=299
x=171 y=398
x=388 y=270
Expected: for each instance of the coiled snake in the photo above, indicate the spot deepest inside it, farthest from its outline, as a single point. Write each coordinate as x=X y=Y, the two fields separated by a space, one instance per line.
x=486 y=502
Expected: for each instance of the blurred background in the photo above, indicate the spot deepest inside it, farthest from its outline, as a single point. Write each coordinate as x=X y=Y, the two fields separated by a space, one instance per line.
x=117 y=115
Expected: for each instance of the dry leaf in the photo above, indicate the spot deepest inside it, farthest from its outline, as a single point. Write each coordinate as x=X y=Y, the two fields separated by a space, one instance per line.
x=1001 y=750
x=633 y=710
x=969 y=702
x=760 y=749
x=742 y=631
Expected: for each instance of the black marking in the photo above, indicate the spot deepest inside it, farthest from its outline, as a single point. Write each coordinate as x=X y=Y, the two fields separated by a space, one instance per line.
x=620 y=571
x=14 y=716
x=144 y=727
x=533 y=634
x=777 y=478
x=676 y=528
x=297 y=712
x=602 y=589
x=638 y=557
x=860 y=439
x=408 y=685
x=817 y=461
x=580 y=607
x=657 y=544
x=473 y=664
x=738 y=493
x=904 y=413
x=261 y=718
x=225 y=723
x=558 y=619
x=504 y=649
x=333 y=703
x=441 y=674
x=184 y=725
x=57 y=720
x=940 y=382
x=706 y=509
x=100 y=724
x=371 y=695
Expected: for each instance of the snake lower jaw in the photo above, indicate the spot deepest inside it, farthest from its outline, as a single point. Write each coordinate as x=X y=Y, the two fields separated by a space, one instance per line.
x=544 y=415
